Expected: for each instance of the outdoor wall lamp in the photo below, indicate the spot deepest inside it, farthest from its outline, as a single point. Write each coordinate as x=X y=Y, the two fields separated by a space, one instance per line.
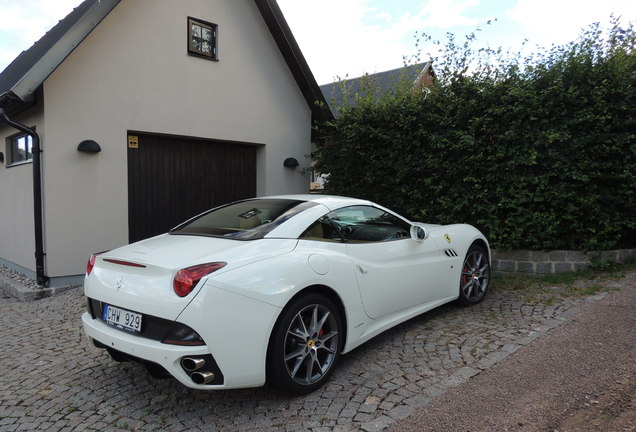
x=89 y=146
x=290 y=163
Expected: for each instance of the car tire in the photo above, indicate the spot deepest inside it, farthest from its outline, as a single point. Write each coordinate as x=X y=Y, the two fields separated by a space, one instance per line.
x=305 y=344
x=475 y=276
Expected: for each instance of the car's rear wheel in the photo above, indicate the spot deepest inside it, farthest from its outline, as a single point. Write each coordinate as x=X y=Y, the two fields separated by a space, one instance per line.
x=475 y=276
x=305 y=344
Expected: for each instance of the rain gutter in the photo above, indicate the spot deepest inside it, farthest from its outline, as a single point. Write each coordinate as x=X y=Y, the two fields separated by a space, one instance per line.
x=42 y=279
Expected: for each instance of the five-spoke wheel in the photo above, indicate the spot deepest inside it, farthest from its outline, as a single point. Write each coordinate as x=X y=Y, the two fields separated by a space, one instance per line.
x=475 y=276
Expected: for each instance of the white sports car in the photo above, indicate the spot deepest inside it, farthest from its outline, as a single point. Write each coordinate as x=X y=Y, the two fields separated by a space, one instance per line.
x=275 y=289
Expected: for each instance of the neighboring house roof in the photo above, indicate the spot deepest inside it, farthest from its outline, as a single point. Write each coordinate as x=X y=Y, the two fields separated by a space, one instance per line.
x=414 y=75
x=24 y=76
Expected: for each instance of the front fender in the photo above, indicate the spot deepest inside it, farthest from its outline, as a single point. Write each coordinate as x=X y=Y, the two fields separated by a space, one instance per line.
x=458 y=237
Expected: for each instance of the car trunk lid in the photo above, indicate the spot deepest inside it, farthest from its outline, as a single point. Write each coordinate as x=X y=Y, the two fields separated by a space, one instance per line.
x=139 y=277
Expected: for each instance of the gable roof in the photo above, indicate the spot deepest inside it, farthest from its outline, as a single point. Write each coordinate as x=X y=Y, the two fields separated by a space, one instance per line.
x=24 y=76
x=21 y=79
x=383 y=82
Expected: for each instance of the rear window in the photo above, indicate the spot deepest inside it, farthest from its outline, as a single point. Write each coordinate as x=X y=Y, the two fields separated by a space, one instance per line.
x=243 y=220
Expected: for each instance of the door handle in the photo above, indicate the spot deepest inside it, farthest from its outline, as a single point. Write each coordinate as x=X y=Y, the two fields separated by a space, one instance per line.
x=362 y=269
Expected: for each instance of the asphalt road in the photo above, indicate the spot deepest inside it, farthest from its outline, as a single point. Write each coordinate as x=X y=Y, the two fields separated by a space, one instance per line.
x=581 y=376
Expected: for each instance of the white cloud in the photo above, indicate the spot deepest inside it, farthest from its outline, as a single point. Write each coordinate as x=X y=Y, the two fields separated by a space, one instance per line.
x=559 y=22
x=351 y=37
x=448 y=14
x=334 y=39
x=6 y=57
x=25 y=21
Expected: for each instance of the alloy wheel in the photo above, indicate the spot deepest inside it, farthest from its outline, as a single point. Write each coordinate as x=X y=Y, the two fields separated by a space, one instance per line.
x=475 y=276
x=311 y=344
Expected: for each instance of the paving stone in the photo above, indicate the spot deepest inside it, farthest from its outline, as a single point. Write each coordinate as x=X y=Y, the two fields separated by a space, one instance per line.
x=53 y=379
x=377 y=424
x=400 y=412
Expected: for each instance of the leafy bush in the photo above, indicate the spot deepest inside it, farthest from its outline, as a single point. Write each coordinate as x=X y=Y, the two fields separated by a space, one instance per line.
x=539 y=151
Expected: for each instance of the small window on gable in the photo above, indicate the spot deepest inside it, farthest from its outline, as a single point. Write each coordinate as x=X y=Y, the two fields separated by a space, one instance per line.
x=202 y=38
x=19 y=149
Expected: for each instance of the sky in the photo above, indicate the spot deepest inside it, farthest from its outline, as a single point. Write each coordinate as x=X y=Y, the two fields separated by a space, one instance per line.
x=347 y=38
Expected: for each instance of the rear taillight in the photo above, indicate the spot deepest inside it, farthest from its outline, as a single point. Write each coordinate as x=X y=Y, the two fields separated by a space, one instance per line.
x=186 y=279
x=91 y=262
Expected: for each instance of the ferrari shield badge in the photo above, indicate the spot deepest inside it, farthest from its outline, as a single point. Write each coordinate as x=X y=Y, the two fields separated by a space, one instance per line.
x=447 y=237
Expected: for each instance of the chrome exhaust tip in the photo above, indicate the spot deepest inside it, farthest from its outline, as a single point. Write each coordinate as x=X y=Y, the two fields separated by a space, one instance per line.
x=192 y=364
x=202 y=377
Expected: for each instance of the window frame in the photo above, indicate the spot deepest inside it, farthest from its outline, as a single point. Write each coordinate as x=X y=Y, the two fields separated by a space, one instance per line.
x=214 y=28
x=12 y=147
x=339 y=234
x=251 y=223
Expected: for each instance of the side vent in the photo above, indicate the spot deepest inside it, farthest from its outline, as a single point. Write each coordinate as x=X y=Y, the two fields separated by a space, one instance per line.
x=450 y=253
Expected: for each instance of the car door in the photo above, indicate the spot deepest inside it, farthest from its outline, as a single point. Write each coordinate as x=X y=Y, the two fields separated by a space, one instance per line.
x=394 y=272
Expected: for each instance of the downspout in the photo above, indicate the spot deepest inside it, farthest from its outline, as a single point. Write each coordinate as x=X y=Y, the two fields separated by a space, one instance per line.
x=42 y=279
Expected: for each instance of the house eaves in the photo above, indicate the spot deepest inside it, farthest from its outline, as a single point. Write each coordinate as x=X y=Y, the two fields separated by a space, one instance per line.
x=295 y=59
x=22 y=78
x=20 y=81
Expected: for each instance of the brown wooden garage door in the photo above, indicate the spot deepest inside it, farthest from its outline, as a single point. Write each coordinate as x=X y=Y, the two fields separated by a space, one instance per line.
x=171 y=179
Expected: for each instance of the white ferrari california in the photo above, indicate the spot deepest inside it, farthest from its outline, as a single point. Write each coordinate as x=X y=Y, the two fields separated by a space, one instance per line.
x=275 y=289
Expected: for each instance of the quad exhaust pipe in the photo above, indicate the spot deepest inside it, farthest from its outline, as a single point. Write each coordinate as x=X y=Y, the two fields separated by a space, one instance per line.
x=193 y=365
x=202 y=377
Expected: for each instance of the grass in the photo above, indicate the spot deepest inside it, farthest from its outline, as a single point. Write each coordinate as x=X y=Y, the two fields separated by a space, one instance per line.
x=549 y=288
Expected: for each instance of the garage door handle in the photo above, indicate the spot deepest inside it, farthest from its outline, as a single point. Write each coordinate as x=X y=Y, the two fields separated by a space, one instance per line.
x=362 y=270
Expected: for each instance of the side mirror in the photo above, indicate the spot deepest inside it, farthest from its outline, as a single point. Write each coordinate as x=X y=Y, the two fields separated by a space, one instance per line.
x=419 y=233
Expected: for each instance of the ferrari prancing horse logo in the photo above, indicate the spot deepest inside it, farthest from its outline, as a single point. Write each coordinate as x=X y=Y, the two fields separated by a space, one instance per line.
x=447 y=237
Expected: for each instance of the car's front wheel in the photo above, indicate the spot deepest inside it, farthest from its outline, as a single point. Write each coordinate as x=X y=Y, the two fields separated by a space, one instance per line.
x=305 y=344
x=475 y=276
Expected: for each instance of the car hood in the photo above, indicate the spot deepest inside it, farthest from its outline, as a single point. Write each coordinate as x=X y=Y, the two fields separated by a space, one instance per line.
x=146 y=286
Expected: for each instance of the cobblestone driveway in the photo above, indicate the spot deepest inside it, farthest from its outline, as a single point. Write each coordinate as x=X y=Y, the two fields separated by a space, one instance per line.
x=53 y=380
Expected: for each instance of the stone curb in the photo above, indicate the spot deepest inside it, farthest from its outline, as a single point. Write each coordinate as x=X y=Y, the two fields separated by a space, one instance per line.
x=529 y=262
x=26 y=294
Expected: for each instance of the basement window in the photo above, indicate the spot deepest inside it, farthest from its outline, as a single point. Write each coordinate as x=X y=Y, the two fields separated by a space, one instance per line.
x=19 y=149
x=202 y=38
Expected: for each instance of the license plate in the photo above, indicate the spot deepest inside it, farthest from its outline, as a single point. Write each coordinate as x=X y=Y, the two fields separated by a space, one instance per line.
x=122 y=318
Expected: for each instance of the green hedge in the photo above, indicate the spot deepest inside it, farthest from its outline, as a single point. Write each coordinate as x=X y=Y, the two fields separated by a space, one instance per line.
x=538 y=152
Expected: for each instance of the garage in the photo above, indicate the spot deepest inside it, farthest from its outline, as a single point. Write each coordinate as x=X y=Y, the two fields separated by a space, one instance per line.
x=172 y=178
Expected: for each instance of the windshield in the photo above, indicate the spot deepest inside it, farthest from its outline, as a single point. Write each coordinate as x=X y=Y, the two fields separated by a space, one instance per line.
x=243 y=220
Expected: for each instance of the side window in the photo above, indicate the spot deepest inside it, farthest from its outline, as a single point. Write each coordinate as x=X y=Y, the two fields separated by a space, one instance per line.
x=19 y=149
x=358 y=224
x=322 y=230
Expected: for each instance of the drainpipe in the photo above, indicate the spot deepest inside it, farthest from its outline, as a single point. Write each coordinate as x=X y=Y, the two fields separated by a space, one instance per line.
x=42 y=279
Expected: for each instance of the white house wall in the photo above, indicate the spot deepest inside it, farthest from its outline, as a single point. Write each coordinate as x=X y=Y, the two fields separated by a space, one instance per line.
x=133 y=73
x=17 y=235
